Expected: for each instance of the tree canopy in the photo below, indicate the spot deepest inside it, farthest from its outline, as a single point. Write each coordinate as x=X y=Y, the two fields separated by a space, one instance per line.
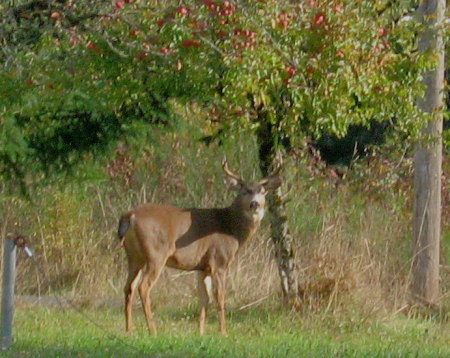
x=79 y=76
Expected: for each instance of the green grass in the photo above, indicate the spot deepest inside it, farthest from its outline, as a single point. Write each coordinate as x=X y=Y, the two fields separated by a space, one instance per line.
x=41 y=332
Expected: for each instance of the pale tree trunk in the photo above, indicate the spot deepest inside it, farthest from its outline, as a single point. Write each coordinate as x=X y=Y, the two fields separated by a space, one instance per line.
x=428 y=163
x=280 y=233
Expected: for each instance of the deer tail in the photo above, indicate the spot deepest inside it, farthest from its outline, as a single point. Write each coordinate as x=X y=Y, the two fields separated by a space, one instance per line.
x=125 y=224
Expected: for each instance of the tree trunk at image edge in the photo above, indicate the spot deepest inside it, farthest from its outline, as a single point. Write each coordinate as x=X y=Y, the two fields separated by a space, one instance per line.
x=428 y=163
x=280 y=232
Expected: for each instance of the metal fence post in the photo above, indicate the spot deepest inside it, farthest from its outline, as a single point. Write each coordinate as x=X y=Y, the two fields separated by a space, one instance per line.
x=9 y=276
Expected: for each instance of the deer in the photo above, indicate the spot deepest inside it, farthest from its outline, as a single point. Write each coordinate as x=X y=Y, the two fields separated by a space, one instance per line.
x=198 y=239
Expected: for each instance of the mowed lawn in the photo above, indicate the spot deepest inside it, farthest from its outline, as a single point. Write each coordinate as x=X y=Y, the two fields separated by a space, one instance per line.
x=43 y=332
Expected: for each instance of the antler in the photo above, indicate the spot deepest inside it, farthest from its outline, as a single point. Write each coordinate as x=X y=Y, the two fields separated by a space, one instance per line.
x=228 y=171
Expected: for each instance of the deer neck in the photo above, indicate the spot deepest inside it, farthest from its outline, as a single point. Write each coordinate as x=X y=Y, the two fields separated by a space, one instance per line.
x=242 y=225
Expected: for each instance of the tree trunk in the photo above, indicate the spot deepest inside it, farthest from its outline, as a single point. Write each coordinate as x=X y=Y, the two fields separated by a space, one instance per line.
x=428 y=163
x=280 y=232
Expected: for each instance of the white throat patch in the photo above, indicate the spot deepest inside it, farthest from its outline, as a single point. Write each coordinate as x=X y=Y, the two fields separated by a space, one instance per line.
x=259 y=214
x=256 y=216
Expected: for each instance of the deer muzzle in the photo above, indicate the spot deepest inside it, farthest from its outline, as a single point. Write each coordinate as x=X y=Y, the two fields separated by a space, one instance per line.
x=254 y=205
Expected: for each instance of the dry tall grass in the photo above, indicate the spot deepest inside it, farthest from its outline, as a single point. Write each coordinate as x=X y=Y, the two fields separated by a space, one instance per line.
x=353 y=248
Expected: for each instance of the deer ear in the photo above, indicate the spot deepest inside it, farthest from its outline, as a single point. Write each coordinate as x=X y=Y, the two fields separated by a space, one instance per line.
x=271 y=182
x=233 y=183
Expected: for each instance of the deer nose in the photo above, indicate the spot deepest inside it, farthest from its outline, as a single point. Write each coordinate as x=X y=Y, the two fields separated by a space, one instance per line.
x=254 y=205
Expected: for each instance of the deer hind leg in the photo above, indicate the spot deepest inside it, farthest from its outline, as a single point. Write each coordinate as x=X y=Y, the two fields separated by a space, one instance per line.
x=130 y=294
x=204 y=293
x=149 y=276
x=219 y=278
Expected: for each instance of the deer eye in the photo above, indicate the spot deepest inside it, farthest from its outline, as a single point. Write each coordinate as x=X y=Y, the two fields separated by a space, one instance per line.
x=249 y=191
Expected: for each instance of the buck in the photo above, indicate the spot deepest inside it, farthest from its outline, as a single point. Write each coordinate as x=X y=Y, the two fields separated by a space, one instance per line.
x=202 y=240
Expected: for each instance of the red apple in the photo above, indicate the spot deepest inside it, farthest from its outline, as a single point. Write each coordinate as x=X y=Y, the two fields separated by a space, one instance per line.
x=339 y=7
x=183 y=10
x=142 y=55
x=320 y=19
x=291 y=70
x=225 y=12
x=74 y=41
x=382 y=31
x=164 y=50
x=119 y=4
x=190 y=43
x=210 y=4
x=249 y=33
x=283 y=23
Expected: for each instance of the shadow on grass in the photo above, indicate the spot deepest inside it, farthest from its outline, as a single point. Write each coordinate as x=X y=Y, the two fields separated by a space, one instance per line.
x=235 y=315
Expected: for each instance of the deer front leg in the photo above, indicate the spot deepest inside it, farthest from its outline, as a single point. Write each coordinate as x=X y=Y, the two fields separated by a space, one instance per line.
x=204 y=294
x=219 y=279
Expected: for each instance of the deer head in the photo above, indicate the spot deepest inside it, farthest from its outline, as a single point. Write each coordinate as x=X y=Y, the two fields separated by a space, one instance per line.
x=251 y=197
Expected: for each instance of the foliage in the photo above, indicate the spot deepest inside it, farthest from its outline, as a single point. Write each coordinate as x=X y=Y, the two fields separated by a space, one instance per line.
x=81 y=76
x=65 y=104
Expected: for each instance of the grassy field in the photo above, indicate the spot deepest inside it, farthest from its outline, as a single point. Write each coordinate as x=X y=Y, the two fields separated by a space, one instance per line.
x=353 y=252
x=258 y=332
